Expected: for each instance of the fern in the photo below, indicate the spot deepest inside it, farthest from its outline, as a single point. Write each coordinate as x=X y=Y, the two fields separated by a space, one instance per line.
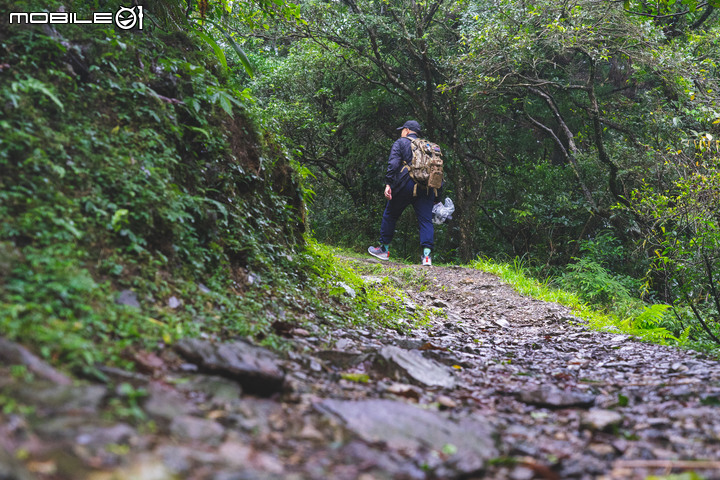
x=657 y=335
x=219 y=52
x=684 y=337
x=244 y=60
x=594 y=283
x=33 y=85
x=651 y=316
x=647 y=324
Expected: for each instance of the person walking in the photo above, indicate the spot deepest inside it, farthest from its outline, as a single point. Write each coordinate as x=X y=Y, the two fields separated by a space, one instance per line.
x=401 y=191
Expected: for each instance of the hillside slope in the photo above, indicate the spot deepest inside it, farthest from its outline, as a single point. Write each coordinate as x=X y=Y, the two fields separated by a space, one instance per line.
x=137 y=198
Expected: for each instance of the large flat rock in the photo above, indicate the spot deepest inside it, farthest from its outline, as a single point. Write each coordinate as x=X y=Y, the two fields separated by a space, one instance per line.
x=52 y=399
x=255 y=368
x=448 y=447
x=400 y=364
x=13 y=354
x=550 y=396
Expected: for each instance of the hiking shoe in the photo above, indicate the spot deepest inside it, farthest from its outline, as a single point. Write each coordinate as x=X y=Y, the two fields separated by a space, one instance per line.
x=425 y=260
x=379 y=253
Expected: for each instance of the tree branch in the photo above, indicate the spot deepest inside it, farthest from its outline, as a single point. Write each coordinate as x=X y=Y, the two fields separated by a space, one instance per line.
x=558 y=117
x=376 y=58
x=342 y=43
x=598 y=132
x=569 y=158
x=668 y=15
x=706 y=14
x=700 y=319
x=713 y=290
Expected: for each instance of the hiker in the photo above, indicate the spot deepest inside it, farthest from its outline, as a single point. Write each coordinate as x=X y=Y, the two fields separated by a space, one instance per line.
x=401 y=190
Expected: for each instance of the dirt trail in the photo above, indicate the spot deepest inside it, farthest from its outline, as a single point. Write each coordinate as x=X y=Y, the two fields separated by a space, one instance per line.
x=499 y=386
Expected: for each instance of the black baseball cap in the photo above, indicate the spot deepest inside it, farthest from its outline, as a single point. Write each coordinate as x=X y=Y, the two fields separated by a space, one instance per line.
x=412 y=125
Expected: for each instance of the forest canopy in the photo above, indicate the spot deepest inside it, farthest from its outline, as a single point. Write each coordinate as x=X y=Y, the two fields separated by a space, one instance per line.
x=579 y=135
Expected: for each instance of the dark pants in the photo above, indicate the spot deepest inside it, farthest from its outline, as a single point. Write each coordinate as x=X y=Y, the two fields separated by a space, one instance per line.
x=423 y=205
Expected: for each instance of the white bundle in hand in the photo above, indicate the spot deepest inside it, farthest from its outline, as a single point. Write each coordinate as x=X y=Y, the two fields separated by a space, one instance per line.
x=442 y=212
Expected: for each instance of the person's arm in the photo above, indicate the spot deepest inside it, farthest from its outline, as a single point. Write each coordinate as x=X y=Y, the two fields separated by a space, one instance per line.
x=394 y=165
x=388 y=192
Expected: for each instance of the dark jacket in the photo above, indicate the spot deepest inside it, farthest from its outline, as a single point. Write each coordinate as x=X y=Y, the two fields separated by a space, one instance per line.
x=400 y=154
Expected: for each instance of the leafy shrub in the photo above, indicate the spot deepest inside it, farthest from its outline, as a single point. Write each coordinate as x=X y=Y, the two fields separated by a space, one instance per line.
x=592 y=278
x=128 y=163
x=595 y=284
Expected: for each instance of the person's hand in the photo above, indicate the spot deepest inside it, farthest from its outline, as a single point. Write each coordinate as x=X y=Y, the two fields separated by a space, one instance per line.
x=388 y=192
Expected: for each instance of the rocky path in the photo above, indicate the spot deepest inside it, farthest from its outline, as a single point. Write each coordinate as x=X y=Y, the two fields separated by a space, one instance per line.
x=499 y=386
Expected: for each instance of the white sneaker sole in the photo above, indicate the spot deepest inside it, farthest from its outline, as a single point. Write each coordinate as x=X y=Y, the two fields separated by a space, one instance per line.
x=380 y=256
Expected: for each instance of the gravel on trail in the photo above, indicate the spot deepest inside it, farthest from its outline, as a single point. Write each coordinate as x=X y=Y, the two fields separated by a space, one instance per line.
x=497 y=386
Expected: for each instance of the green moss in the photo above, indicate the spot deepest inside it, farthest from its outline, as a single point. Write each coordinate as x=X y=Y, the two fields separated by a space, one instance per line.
x=129 y=163
x=382 y=303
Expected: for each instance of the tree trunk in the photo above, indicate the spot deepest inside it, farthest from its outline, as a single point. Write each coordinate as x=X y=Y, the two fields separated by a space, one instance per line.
x=467 y=221
x=468 y=190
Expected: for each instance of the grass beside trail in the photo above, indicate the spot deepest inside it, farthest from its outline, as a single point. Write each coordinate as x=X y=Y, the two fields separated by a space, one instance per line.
x=632 y=316
x=645 y=321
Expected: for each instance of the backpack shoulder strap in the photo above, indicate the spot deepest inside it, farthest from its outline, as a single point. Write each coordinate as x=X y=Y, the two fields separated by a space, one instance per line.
x=411 y=151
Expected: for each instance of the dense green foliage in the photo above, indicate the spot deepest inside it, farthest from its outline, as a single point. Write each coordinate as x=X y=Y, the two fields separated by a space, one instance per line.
x=632 y=316
x=568 y=128
x=176 y=162
x=129 y=164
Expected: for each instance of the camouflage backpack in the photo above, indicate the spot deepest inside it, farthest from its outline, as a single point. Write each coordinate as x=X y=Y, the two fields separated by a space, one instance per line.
x=426 y=166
